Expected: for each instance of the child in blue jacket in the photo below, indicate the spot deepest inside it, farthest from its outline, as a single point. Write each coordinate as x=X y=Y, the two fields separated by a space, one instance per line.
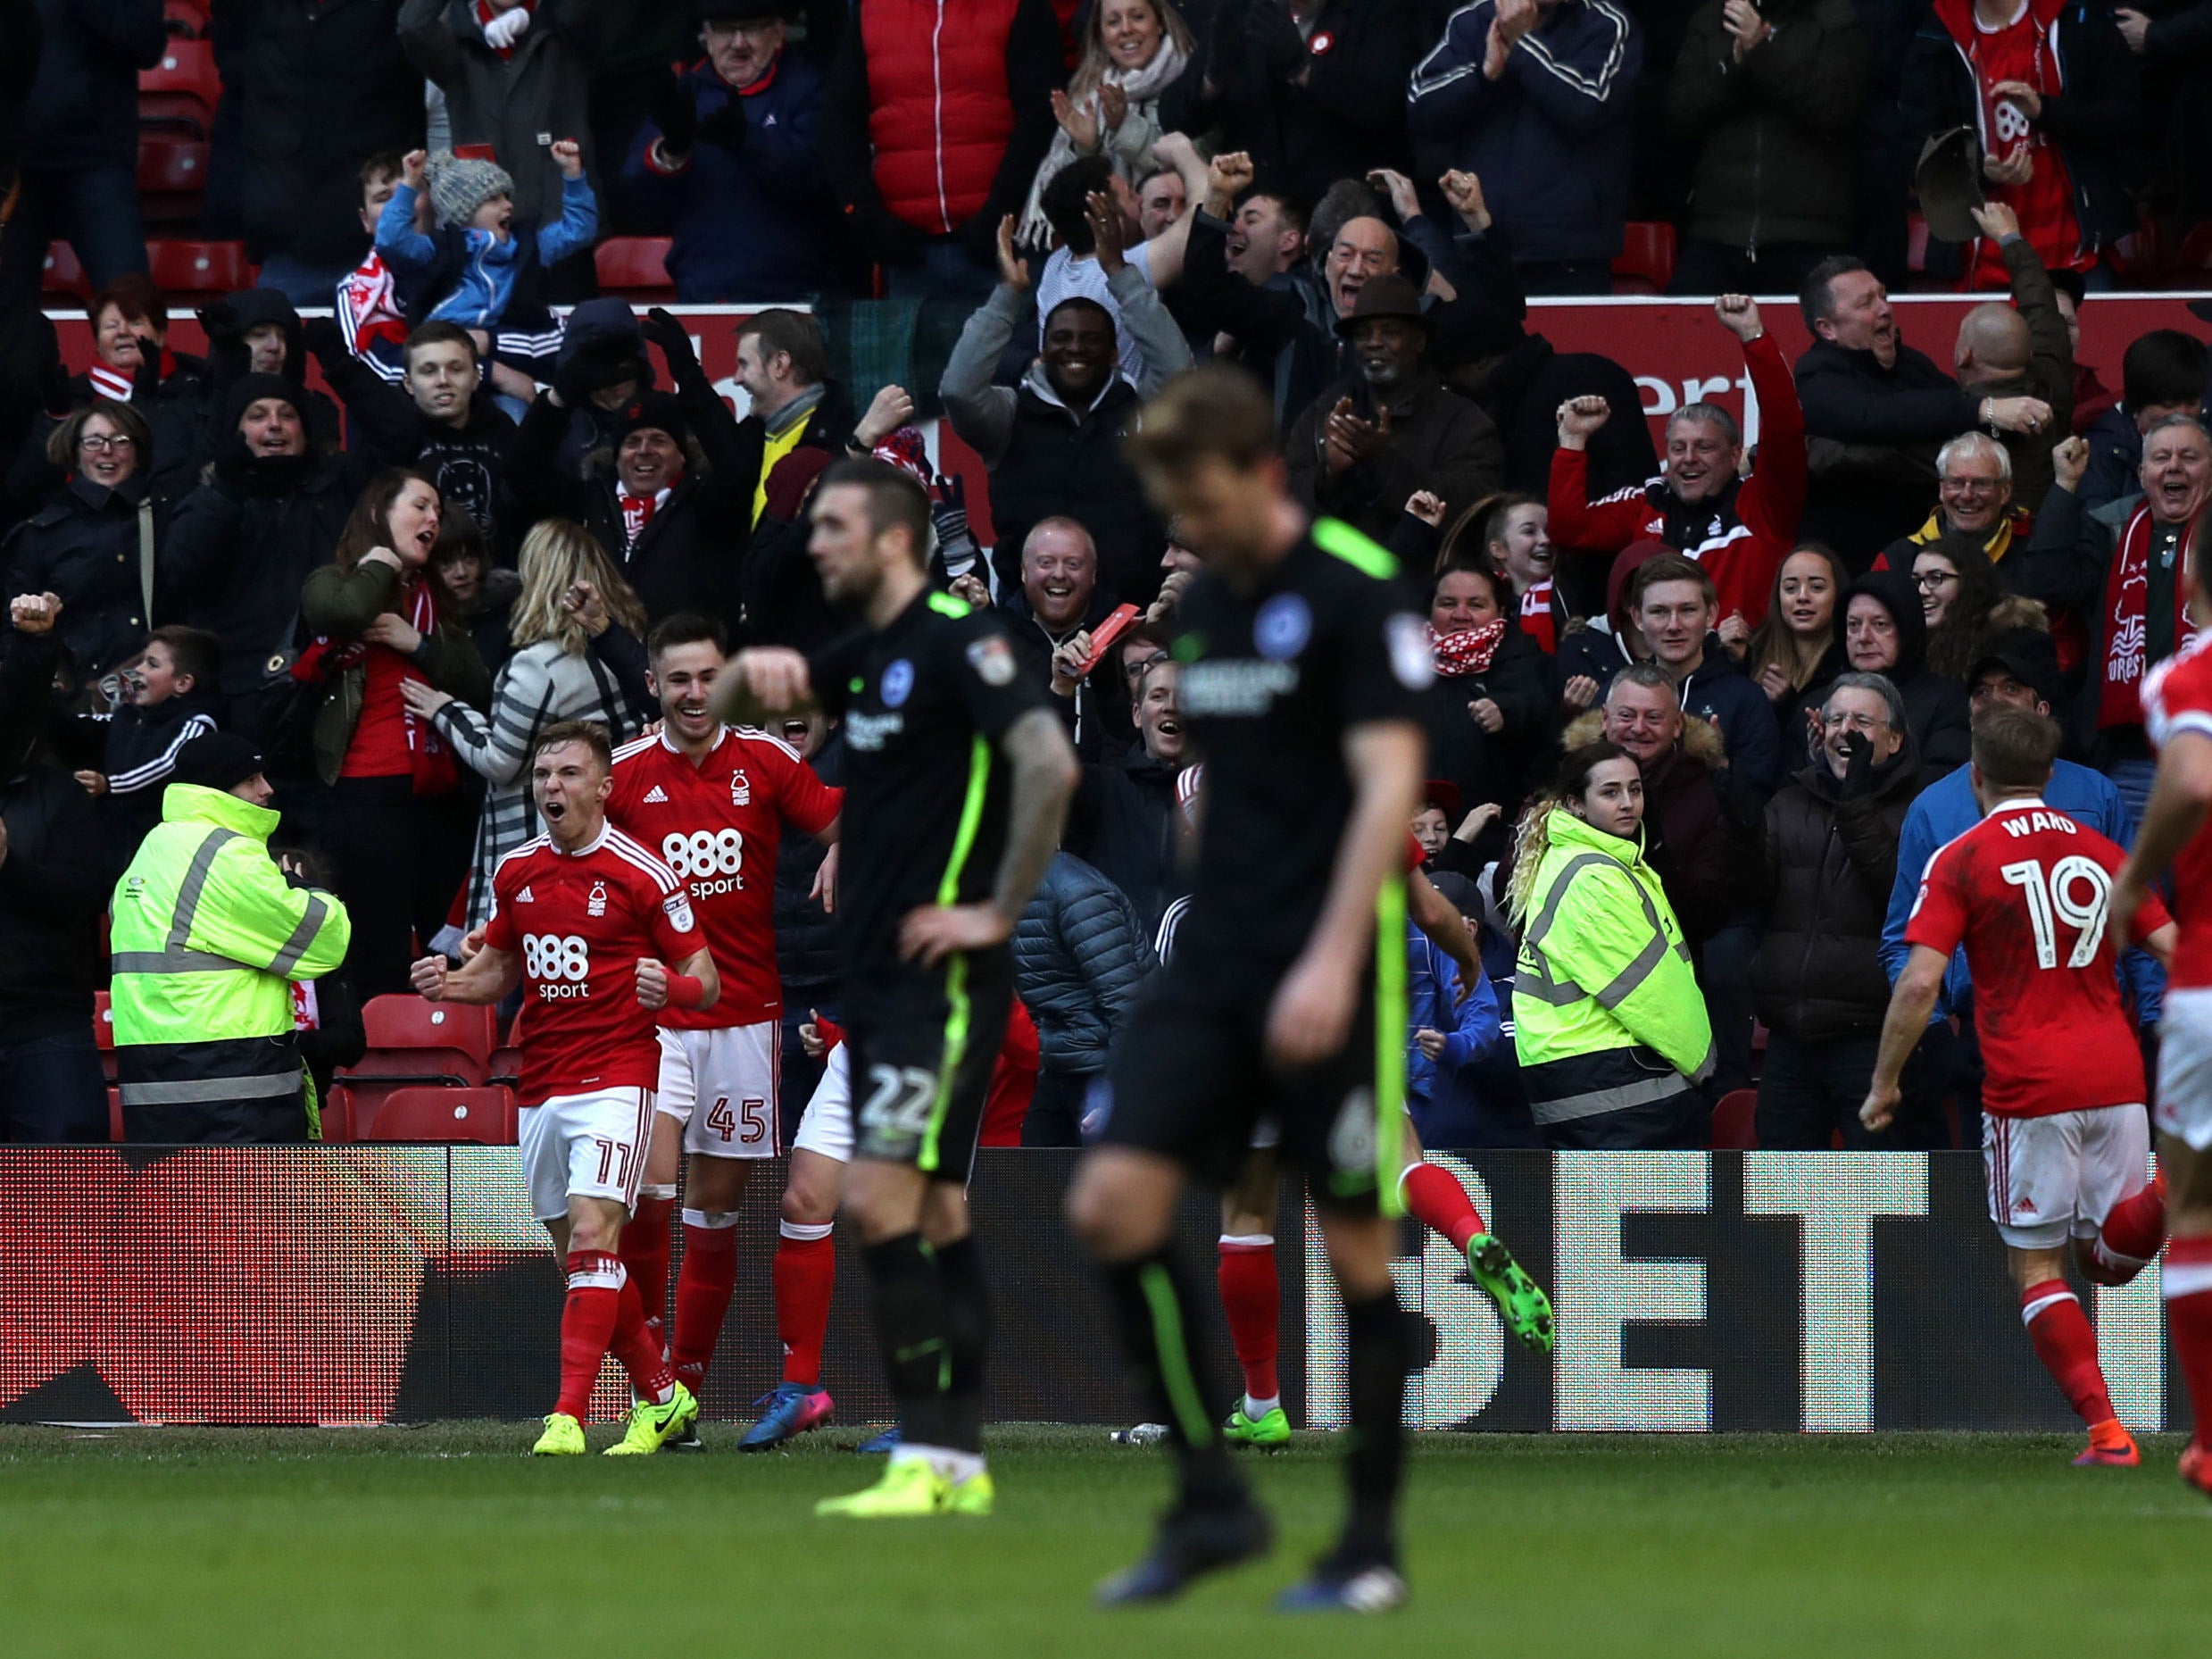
x=468 y=273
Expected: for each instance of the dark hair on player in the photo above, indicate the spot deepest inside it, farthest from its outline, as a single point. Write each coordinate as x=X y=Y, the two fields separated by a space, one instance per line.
x=796 y=335
x=2162 y=367
x=1065 y=201
x=2014 y=747
x=686 y=628
x=192 y=651
x=590 y=733
x=895 y=499
x=438 y=331
x=1216 y=411
x=1817 y=299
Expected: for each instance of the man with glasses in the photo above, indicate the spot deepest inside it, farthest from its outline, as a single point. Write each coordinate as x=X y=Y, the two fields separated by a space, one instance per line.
x=1973 y=497
x=728 y=164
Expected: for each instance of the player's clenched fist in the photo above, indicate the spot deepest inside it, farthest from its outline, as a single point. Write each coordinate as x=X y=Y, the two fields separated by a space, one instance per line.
x=1880 y=1107
x=652 y=983
x=1579 y=417
x=770 y=679
x=429 y=978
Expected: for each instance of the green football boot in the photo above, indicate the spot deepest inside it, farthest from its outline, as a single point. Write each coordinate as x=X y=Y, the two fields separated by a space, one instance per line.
x=1271 y=1432
x=1521 y=1301
x=971 y=1497
x=563 y=1437
x=909 y=1489
x=652 y=1427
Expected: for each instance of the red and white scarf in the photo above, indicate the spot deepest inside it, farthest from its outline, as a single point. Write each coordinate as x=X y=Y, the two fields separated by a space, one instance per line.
x=1466 y=652
x=1536 y=618
x=2128 y=647
x=111 y=383
x=638 y=511
x=368 y=307
x=430 y=755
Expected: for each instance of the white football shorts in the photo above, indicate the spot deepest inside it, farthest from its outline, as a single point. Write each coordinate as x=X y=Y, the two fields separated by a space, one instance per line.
x=2184 y=1109
x=2055 y=1177
x=590 y=1145
x=720 y=1085
x=826 y=1126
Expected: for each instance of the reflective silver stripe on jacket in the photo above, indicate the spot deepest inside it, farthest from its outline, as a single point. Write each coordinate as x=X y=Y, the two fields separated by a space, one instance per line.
x=205 y=1088
x=177 y=961
x=196 y=877
x=302 y=936
x=1603 y=1100
x=1543 y=986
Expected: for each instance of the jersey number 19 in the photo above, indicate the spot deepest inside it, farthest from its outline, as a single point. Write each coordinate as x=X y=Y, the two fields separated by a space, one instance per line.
x=2060 y=899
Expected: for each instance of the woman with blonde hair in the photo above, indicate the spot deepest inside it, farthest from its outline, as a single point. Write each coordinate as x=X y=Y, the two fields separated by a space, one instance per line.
x=577 y=628
x=1133 y=51
x=1609 y=1024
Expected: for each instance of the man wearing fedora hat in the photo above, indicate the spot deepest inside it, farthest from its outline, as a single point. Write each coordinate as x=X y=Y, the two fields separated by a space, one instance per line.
x=1391 y=426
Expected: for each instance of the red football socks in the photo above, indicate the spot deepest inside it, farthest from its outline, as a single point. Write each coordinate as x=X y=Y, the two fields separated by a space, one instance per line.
x=2136 y=1226
x=1253 y=1300
x=587 y=1320
x=703 y=1289
x=2067 y=1347
x=1435 y=1198
x=645 y=1254
x=637 y=1348
x=2187 y=1286
x=804 y=1275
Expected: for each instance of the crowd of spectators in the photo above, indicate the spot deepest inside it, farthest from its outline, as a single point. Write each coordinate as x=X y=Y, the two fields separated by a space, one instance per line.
x=1710 y=698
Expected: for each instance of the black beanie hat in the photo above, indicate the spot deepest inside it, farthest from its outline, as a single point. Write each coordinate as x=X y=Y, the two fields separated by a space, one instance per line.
x=217 y=760
x=249 y=389
x=654 y=409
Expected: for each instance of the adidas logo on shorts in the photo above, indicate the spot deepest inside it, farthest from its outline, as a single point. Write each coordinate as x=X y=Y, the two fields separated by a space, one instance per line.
x=656 y=797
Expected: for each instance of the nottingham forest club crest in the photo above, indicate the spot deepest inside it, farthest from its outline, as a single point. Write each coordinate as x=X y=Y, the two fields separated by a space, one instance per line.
x=740 y=788
x=596 y=905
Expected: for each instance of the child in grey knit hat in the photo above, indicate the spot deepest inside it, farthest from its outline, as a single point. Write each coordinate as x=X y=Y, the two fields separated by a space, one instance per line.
x=474 y=203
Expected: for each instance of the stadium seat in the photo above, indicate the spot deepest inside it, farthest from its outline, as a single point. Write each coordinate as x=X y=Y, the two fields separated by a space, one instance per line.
x=1645 y=263
x=115 y=1115
x=172 y=176
x=483 y=1115
x=103 y=1033
x=407 y=1022
x=505 y=1067
x=337 y=1115
x=199 y=267
x=182 y=90
x=1734 y=1126
x=64 y=275
x=633 y=267
x=185 y=20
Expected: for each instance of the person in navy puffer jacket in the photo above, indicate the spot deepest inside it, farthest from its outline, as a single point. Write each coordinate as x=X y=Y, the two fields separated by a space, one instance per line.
x=1536 y=99
x=730 y=167
x=1080 y=954
x=1462 y=1079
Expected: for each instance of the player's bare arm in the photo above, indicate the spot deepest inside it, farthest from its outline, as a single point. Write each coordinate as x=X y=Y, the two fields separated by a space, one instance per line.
x=2180 y=802
x=1313 y=1005
x=485 y=977
x=761 y=681
x=2160 y=942
x=1043 y=777
x=1911 y=1003
x=1431 y=912
x=693 y=983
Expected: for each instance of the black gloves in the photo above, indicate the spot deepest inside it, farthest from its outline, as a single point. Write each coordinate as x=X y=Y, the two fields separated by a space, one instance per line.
x=323 y=339
x=677 y=116
x=727 y=127
x=1857 y=766
x=220 y=324
x=661 y=328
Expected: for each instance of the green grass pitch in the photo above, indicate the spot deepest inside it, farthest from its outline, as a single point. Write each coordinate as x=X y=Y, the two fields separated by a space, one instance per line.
x=418 y=1544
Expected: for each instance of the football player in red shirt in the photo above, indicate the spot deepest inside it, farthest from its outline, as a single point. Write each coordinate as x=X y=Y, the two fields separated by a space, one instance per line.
x=600 y=934
x=2027 y=891
x=712 y=800
x=2177 y=711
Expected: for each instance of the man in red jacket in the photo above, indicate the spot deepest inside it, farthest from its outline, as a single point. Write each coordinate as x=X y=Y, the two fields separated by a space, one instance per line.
x=1739 y=529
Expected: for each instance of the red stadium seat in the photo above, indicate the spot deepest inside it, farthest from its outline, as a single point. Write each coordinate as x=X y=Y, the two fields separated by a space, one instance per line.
x=182 y=89
x=506 y=1066
x=199 y=267
x=1916 y=243
x=1645 y=263
x=483 y=1115
x=1734 y=1129
x=103 y=1033
x=185 y=20
x=407 y=1022
x=172 y=176
x=337 y=1115
x=64 y=275
x=633 y=266
x=115 y=1115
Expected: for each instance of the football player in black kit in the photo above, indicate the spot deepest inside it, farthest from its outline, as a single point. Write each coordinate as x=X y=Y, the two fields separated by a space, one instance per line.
x=958 y=776
x=1303 y=663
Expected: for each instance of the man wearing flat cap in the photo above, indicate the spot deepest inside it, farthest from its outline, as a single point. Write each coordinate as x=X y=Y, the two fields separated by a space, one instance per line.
x=208 y=935
x=1391 y=428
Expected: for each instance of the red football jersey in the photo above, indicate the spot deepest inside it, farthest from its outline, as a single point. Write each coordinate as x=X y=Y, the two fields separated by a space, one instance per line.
x=581 y=921
x=717 y=826
x=2026 y=891
x=2177 y=698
